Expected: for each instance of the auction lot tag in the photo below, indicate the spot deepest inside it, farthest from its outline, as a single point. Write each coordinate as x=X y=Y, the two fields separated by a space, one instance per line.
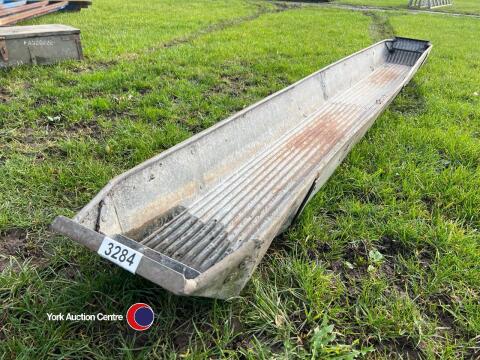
x=120 y=254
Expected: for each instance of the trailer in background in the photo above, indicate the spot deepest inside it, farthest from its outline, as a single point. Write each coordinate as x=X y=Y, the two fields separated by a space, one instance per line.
x=428 y=4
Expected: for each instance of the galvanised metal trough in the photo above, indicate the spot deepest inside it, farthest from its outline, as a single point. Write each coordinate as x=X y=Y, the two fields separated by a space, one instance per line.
x=198 y=218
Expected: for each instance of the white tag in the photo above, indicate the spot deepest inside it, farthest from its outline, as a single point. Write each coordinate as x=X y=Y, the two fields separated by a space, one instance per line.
x=120 y=254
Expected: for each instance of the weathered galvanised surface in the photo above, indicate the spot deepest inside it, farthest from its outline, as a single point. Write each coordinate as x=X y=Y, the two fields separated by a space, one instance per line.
x=428 y=3
x=204 y=212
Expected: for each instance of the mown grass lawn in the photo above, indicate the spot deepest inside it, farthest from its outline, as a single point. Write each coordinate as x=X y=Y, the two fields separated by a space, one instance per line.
x=458 y=6
x=384 y=261
x=463 y=6
x=382 y=3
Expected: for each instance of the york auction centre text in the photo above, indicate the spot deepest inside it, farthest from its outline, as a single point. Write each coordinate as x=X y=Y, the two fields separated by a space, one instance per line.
x=84 y=317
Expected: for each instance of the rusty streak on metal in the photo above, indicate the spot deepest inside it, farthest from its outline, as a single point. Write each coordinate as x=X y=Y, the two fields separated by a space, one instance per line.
x=248 y=176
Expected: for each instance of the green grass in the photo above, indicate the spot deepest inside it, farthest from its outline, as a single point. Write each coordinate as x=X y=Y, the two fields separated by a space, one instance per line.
x=382 y=3
x=458 y=6
x=463 y=6
x=129 y=28
x=384 y=261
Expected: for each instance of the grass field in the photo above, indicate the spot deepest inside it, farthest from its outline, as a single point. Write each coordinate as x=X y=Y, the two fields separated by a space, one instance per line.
x=385 y=261
x=458 y=6
x=382 y=3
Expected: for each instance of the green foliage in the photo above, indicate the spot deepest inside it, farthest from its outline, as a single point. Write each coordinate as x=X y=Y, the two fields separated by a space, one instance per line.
x=322 y=347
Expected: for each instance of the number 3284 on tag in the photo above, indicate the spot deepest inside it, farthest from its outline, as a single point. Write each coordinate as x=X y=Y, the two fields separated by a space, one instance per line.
x=120 y=254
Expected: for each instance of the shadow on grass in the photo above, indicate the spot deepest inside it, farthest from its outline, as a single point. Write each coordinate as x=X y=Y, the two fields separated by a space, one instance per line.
x=411 y=101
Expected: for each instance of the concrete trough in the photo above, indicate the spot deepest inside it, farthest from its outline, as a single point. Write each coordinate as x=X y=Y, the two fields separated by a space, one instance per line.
x=198 y=218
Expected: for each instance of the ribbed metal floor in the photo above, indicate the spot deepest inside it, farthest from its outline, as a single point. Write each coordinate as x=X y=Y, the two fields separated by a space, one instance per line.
x=231 y=213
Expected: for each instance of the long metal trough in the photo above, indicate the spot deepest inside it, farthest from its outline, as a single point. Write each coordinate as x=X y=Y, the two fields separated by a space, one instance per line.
x=198 y=218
